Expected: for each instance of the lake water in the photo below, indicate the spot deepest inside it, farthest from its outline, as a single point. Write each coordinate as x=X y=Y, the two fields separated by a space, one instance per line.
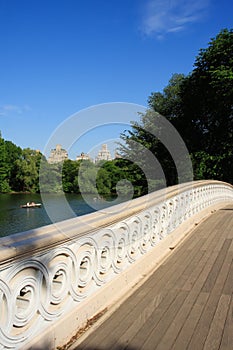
x=14 y=219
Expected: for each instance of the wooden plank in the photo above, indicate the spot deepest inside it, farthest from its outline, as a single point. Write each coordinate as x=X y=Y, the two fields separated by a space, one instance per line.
x=159 y=329
x=214 y=337
x=229 y=228
x=210 y=281
x=203 y=270
x=225 y=222
x=199 y=275
x=222 y=216
x=178 y=322
x=135 y=305
x=139 y=339
x=182 y=266
x=183 y=313
x=227 y=338
x=231 y=247
x=211 y=238
x=191 y=267
x=110 y=338
x=186 y=332
x=191 y=263
x=129 y=332
x=204 y=324
x=228 y=286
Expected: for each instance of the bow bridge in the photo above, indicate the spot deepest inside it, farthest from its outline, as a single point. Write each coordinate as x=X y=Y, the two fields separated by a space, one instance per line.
x=57 y=280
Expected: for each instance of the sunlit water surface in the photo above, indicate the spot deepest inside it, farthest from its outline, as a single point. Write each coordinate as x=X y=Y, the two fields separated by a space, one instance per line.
x=15 y=219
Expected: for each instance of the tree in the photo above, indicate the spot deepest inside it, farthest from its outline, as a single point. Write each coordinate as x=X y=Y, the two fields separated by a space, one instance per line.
x=70 y=171
x=13 y=154
x=4 y=171
x=121 y=176
x=200 y=106
x=103 y=182
x=50 y=177
x=207 y=98
x=27 y=172
x=168 y=102
x=87 y=178
x=9 y=153
x=143 y=146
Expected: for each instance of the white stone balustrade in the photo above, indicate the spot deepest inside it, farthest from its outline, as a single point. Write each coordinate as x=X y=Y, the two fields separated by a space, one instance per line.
x=50 y=273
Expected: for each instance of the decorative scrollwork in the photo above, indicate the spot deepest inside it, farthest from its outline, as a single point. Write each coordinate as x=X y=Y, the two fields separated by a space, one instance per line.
x=38 y=290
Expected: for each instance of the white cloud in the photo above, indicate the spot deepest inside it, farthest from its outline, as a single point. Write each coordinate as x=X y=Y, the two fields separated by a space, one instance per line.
x=8 y=108
x=169 y=16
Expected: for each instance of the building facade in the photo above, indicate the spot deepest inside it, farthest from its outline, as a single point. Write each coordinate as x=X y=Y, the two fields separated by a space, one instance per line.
x=57 y=155
x=103 y=154
x=83 y=156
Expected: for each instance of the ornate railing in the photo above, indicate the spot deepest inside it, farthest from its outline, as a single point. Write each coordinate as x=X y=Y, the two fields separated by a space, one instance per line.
x=51 y=279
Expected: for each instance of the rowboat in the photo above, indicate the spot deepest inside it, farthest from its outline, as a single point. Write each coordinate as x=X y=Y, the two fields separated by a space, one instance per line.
x=31 y=205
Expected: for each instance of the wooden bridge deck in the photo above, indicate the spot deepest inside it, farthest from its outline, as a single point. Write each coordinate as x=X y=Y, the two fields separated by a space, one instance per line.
x=186 y=303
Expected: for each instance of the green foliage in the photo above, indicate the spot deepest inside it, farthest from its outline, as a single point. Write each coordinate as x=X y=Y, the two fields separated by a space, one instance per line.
x=9 y=153
x=50 y=177
x=26 y=170
x=208 y=104
x=207 y=96
x=144 y=149
x=70 y=176
x=200 y=106
x=103 y=182
x=87 y=178
x=168 y=102
x=3 y=167
x=19 y=169
x=127 y=177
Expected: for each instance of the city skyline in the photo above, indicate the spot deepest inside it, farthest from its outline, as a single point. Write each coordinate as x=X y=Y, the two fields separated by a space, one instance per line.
x=59 y=154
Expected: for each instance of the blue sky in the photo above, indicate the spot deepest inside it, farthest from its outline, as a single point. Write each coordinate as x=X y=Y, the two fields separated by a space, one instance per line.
x=62 y=56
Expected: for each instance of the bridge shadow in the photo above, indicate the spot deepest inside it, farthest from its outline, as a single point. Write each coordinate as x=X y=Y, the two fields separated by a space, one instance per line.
x=44 y=345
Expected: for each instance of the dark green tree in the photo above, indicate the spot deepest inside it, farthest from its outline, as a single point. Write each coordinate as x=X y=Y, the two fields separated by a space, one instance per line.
x=70 y=171
x=200 y=106
x=207 y=101
x=143 y=147
x=14 y=153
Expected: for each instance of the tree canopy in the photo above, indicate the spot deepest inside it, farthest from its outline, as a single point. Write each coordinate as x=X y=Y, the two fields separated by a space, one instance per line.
x=200 y=106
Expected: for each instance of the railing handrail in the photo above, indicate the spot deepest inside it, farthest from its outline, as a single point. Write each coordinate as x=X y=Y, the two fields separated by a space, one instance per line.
x=44 y=238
